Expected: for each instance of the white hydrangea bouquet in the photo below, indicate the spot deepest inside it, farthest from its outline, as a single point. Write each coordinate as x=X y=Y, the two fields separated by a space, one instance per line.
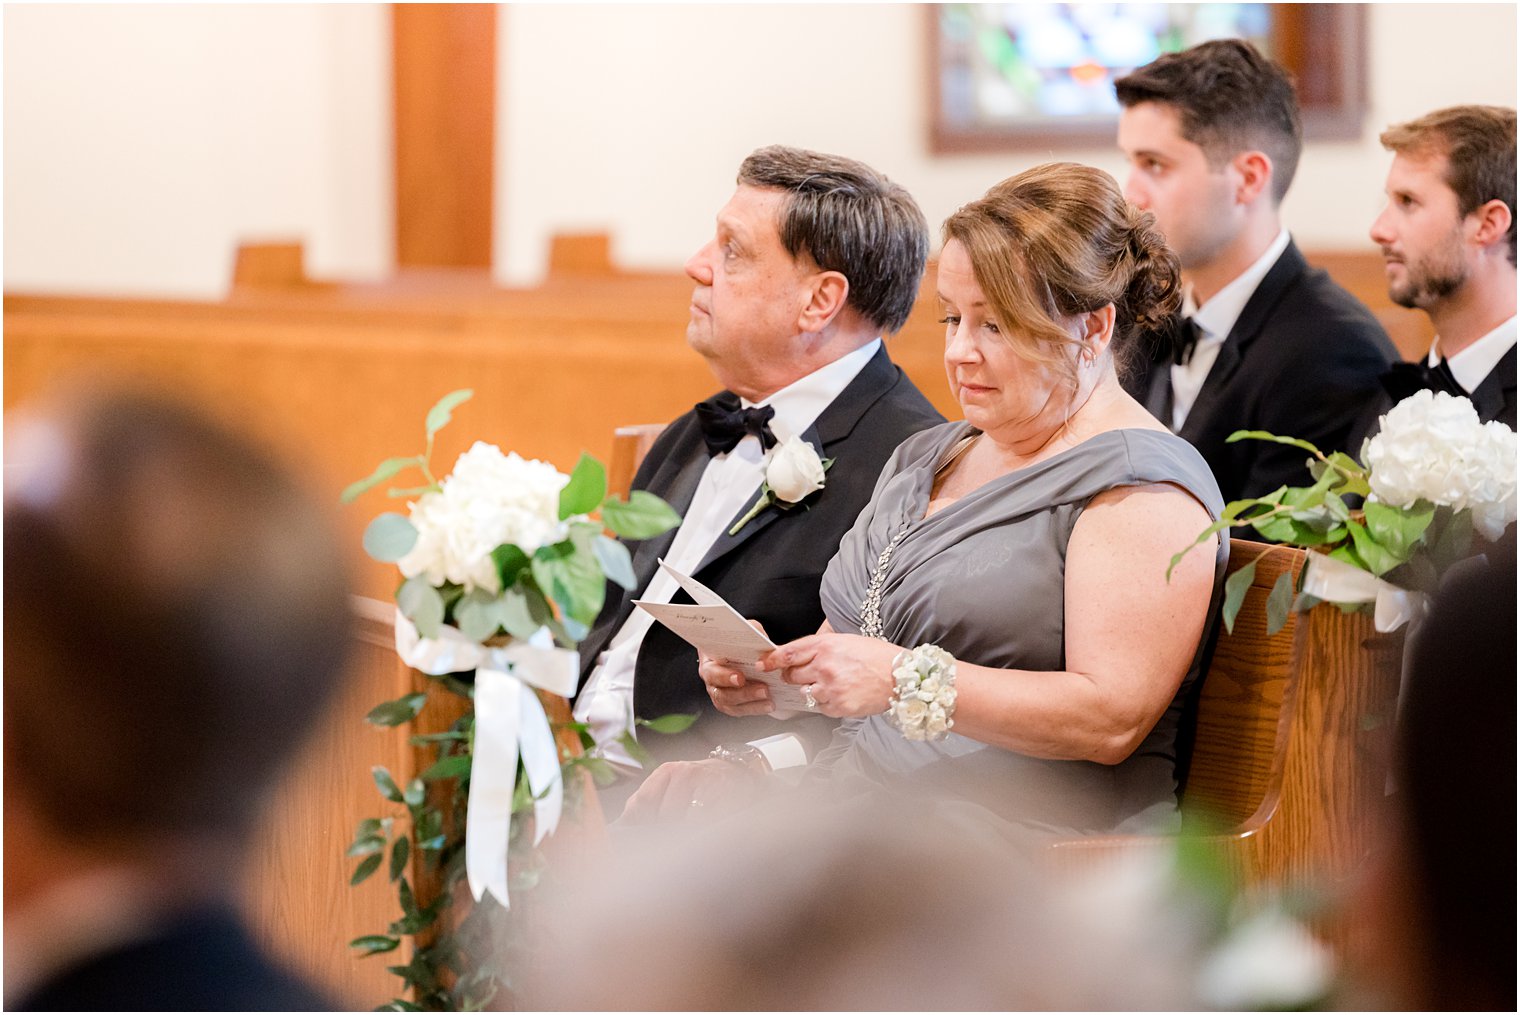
x=1434 y=475
x=505 y=570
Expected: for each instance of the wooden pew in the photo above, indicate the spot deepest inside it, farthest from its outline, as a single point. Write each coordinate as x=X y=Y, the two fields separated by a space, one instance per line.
x=1363 y=276
x=1291 y=751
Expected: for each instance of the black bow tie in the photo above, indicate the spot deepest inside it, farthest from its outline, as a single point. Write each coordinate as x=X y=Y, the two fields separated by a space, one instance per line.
x=724 y=424
x=1403 y=379
x=1186 y=340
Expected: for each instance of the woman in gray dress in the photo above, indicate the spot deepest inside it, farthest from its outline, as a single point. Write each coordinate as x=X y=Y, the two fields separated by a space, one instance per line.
x=1001 y=631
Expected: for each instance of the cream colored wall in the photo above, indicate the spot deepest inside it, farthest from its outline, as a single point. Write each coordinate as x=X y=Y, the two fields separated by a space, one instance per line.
x=633 y=119
x=142 y=142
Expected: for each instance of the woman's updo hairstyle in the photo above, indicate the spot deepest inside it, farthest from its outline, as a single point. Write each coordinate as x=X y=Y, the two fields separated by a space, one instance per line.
x=1060 y=240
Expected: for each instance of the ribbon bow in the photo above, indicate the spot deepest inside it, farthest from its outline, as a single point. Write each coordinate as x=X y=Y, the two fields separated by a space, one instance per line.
x=724 y=424
x=509 y=719
x=1335 y=581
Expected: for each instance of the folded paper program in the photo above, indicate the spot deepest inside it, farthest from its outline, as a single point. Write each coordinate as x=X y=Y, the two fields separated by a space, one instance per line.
x=718 y=631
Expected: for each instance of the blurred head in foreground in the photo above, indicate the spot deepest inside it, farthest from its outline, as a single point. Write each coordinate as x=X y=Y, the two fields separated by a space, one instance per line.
x=1441 y=905
x=176 y=619
x=846 y=906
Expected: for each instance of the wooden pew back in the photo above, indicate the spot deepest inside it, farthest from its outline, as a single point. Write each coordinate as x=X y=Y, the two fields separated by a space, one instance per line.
x=1240 y=736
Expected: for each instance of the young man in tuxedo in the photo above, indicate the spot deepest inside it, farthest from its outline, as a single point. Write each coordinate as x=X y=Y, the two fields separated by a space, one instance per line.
x=814 y=260
x=176 y=617
x=1212 y=135
x=1448 y=240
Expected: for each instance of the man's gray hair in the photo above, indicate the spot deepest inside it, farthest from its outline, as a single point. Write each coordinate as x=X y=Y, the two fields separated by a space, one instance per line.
x=851 y=219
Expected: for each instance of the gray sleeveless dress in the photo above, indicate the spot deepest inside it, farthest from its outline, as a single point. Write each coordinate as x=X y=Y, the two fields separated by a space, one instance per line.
x=984 y=578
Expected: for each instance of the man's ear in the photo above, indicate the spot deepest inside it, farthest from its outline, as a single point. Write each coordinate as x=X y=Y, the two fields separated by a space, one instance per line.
x=828 y=293
x=1493 y=219
x=1253 y=171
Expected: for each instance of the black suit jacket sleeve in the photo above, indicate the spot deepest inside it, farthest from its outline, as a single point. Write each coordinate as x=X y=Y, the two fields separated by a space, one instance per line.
x=1303 y=360
x=771 y=571
x=1319 y=399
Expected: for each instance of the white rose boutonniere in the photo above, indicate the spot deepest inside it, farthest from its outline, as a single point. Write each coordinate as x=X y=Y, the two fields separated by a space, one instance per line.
x=793 y=472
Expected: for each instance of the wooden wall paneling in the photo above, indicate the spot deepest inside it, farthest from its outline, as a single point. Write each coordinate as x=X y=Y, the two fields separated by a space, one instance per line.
x=444 y=60
x=336 y=400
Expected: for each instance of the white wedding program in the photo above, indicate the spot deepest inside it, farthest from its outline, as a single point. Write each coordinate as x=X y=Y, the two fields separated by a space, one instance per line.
x=718 y=631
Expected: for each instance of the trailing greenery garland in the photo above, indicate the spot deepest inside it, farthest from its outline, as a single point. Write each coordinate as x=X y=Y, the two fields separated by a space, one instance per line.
x=559 y=585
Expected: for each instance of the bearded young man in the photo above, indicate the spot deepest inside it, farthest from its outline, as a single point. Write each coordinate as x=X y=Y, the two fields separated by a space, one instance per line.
x=1213 y=138
x=1448 y=240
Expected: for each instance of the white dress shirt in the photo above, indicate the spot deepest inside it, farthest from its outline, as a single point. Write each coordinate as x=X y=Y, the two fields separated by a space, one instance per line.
x=1215 y=319
x=728 y=486
x=1477 y=361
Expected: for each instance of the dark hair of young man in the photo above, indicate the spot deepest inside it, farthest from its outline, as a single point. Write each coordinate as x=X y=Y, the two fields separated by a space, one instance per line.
x=1229 y=99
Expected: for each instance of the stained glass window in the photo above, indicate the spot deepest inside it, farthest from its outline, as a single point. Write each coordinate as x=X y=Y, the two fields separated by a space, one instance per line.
x=1006 y=70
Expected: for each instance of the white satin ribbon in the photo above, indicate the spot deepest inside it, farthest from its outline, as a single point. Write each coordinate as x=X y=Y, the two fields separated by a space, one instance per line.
x=1338 y=582
x=509 y=720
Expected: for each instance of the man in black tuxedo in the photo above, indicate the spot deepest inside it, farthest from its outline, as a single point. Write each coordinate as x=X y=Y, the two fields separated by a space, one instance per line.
x=1448 y=238
x=176 y=617
x=815 y=258
x=1213 y=137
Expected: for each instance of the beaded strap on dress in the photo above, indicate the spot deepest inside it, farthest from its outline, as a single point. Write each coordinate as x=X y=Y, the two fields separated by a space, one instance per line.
x=870 y=608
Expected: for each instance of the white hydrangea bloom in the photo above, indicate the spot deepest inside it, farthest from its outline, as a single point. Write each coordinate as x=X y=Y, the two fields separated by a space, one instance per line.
x=1493 y=506
x=489 y=499
x=1432 y=447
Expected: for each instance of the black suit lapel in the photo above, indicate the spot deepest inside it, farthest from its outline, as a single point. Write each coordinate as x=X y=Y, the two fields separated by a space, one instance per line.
x=1211 y=396
x=1494 y=398
x=833 y=424
x=1248 y=326
x=678 y=492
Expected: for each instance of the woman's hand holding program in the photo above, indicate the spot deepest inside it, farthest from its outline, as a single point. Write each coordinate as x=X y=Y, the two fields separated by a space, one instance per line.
x=847 y=674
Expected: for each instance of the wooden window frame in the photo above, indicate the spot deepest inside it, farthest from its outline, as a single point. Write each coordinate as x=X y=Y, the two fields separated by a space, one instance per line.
x=1324 y=47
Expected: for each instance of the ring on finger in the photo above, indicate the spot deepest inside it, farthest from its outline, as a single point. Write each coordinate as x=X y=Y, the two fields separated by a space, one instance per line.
x=807 y=694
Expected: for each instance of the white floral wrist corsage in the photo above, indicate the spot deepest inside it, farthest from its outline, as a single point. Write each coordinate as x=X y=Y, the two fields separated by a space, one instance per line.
x=923 y=693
